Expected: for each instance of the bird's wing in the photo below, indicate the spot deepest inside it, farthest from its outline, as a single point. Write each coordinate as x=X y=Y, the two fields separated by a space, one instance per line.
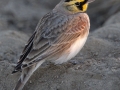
x=54 y=34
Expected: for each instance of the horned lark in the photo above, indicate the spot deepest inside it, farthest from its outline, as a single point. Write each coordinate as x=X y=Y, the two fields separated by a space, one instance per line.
x=58 y=37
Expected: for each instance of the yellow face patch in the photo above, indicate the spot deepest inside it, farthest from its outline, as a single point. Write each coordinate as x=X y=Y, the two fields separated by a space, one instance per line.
x=77 y=0
x=73 y=7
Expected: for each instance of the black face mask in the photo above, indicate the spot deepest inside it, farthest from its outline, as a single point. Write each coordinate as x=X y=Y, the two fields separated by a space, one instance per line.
x=80 y=4
x=67 y=0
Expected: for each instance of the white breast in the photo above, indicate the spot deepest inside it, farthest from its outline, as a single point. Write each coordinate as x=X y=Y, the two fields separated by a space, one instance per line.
x=76 y=47
x=74 y=50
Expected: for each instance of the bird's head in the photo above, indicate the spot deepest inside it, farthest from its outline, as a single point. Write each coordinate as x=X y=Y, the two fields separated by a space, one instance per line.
x=76 y=6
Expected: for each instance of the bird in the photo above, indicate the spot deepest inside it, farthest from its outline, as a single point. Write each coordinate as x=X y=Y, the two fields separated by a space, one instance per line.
x=58 y=37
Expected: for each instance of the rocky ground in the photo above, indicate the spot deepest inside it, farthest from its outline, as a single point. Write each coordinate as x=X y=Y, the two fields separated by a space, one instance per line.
x=96 y=67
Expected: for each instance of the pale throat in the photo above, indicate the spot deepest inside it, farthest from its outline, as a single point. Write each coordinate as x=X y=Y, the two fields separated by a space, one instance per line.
x=72 y=8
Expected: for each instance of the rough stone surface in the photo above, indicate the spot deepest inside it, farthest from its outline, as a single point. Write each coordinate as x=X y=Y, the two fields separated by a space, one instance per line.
x=11 y=43
x=23 y=15
x=113 y=19
x=101 y=10
x=96 y=67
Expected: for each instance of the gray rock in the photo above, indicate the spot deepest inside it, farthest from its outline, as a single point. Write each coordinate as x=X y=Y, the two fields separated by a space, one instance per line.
x=99 y=69
x=23 y=15
x=113 y=19
x=11 y=44
x=109 y=32
x=102 y=10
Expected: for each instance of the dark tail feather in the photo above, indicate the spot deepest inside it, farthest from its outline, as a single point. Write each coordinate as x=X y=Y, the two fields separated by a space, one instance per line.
x=25 y=75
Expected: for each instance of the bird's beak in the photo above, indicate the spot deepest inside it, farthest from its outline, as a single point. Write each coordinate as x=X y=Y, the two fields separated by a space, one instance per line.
x=89 y=1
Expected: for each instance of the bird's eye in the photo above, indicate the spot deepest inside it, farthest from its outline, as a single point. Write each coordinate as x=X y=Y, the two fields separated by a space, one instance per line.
x=77 y=4
x=67 y=0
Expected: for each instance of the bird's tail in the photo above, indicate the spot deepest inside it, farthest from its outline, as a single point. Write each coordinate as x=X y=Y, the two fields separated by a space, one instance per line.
x=25 y=75
x=19 y=85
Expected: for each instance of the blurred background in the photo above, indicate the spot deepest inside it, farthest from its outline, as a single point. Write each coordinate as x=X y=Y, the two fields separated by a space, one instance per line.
x=96 y=67
x=23 y=15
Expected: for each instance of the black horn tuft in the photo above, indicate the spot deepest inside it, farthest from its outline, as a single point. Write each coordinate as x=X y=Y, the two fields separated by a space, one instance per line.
x=67 y=0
